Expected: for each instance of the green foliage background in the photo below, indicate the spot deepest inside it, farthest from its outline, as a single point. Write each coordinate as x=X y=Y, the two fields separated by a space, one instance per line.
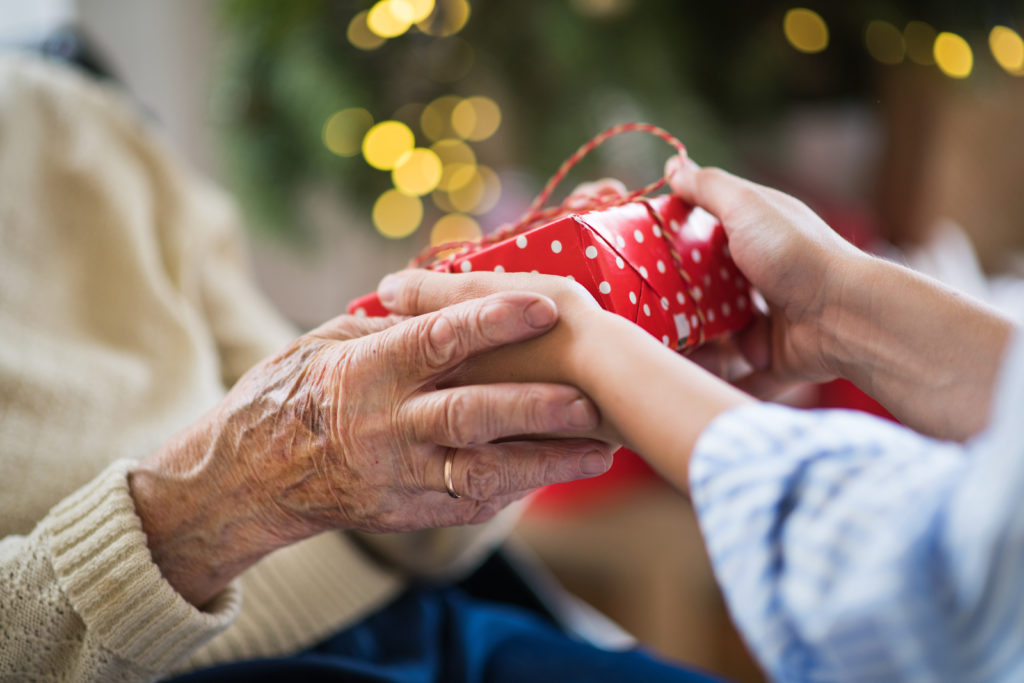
x=702 y=70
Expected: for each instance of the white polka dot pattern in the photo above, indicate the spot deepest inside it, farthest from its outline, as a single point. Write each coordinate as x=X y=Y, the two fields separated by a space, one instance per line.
x=672 y=276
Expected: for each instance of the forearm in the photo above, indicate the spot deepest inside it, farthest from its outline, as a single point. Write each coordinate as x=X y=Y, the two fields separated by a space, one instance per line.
x=929 y=354
x=822 y=525
x=658 y=402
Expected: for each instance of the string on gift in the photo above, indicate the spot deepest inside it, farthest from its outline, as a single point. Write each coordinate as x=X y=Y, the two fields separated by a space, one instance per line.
x=537 y=214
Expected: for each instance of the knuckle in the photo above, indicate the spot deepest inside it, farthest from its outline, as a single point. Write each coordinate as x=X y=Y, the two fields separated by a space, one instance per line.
x=438 y=340
x=485 y=478
x=489 y=319
x=461 y=419
x=536 y=408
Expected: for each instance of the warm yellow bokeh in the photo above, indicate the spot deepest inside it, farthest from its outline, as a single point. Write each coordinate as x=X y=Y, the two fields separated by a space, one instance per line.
x=343 y=132
x=390 y=18
x=441 y=201
x=476 y=118
x=454 y=151
x=417 y=172
x=884 y=42
x=436 y=119
x=421 y=9
x=953 y=55
x=450 y=17
x=805 y=30
x=919 y=38
x=385 y=144
x=454 y=227
x=397 y=215
x=479 y=189
x=1007 y=49
x=455 y=155
x=360 y=35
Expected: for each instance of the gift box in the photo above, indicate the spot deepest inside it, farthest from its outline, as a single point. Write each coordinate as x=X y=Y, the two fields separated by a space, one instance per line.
x=659 y=262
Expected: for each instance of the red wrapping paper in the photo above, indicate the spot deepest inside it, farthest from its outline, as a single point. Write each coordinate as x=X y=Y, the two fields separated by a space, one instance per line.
x=659 y=262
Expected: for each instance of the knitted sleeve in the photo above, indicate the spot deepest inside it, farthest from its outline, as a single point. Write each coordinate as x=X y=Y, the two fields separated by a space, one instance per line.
x=82 y=600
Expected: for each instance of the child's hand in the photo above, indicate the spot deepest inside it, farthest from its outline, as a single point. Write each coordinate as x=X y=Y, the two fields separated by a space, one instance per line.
x=552 y=357
x=792 y=257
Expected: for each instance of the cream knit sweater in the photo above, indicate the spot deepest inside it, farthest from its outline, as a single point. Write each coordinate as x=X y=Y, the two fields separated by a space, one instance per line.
x=125 y=310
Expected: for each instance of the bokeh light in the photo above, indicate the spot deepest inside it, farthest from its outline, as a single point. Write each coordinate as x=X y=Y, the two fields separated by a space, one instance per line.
x=805 y=30
x=421 y=9
x=385 y=143
x=476 y=118
x=919 y=37
x=442 y=201
x=390 y=18
x=436 y=120
x=397 y=215
x=417 y=172
x=360 y=35
x=1007 y=49
x=478 y=190
x=343 y=132
x=447 y=19
x=455 y=155
x=454 y=227
x=953 y=55
x=884 y=42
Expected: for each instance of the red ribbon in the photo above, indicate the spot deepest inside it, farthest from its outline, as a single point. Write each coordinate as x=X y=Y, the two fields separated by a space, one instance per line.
x=536 y=213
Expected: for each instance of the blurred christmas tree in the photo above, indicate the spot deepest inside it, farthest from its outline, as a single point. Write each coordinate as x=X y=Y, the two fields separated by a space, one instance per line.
x=438 y=116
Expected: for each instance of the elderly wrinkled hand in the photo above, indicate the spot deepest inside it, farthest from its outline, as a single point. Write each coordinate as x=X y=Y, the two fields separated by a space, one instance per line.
x=356 y=425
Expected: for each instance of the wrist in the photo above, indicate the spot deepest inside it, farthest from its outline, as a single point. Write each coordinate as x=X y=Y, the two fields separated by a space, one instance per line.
x=202 y=531
x=844 y=317
x=655 y=401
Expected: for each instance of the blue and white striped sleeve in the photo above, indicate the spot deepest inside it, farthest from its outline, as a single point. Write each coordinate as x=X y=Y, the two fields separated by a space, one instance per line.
x=853 y=549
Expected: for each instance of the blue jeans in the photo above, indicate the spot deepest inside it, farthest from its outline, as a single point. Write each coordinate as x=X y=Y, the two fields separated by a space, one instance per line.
x=444 y=635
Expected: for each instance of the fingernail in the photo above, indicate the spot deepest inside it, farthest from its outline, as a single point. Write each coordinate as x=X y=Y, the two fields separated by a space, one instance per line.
x=593 y=464
x=387 y=290
x=580 y=414
x=540 y=315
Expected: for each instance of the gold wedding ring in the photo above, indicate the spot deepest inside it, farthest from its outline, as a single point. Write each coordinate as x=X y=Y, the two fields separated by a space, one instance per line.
x=449 y=459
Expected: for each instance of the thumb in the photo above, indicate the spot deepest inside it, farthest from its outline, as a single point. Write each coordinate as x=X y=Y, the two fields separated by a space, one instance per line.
x=718 y=192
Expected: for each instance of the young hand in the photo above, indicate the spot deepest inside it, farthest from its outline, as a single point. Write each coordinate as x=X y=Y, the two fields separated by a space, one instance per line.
x=792 y=257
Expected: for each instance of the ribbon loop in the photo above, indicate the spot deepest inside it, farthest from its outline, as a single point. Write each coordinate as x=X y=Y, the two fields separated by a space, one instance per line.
x=572 y=204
